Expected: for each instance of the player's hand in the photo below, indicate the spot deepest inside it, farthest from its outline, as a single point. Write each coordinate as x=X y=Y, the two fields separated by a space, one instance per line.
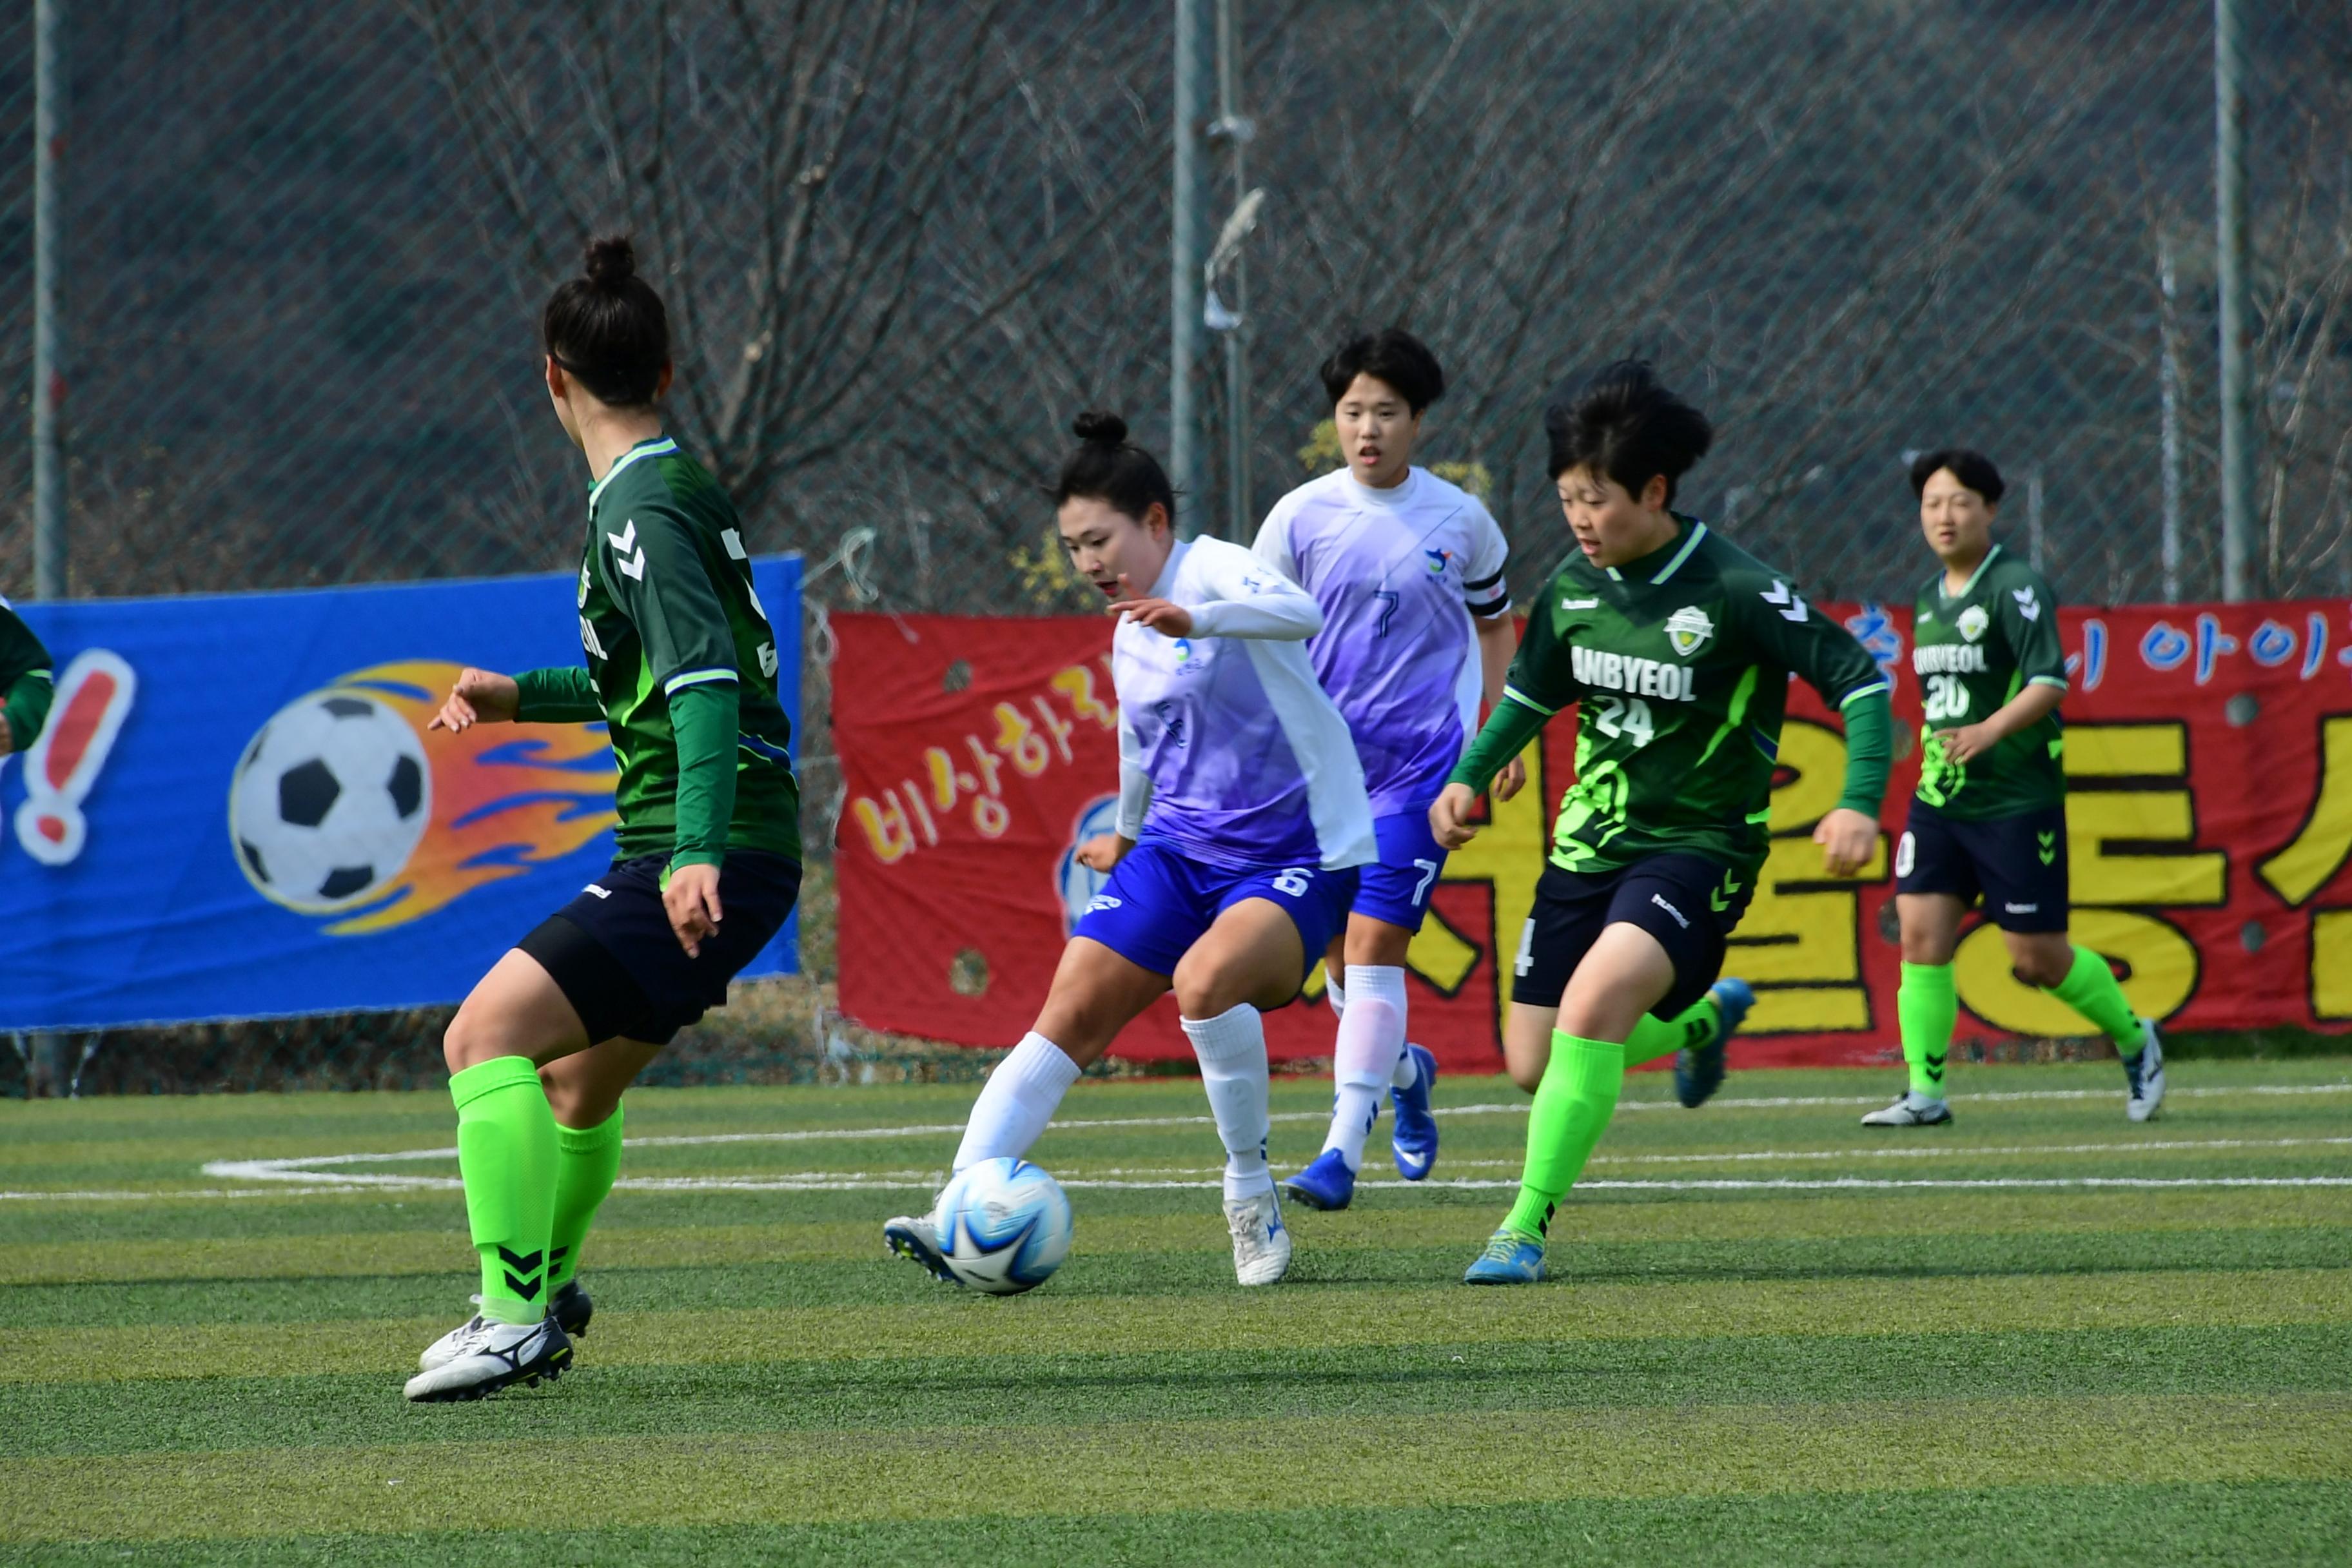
x=7 y=736
x=1169 y=620
x=1847 y=839
x=1511 y=780
x=1966 y=743
x=1104 y=851
x=692 y=900
x=1449 y=816
x=481 y=697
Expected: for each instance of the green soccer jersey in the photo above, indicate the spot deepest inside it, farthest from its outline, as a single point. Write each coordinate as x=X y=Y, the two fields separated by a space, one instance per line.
x=666 y=604
x=1973 y=651
x=1680 y=663
x=26 y=680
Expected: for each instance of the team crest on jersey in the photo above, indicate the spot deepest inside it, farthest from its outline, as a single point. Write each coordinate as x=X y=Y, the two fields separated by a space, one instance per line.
x=1972 y=622
x=1438 y=559
x=1688 y=627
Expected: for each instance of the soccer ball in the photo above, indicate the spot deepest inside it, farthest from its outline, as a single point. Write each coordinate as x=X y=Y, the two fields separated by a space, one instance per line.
x=328 y=801
x=1003 y=1226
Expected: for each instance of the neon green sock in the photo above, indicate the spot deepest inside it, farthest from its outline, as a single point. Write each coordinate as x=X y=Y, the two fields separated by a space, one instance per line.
x=1573 y=1105
x=1927 y=1009
x=2091 y=990
x=587 y=1160
x=1653 y=1036
x=505 y=1151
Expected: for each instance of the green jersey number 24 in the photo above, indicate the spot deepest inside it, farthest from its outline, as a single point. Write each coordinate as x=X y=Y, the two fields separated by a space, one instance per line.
x=1617 y=716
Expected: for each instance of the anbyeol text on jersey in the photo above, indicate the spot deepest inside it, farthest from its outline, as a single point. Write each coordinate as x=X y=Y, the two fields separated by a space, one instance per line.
x=1948 y=658
x=1624 y=672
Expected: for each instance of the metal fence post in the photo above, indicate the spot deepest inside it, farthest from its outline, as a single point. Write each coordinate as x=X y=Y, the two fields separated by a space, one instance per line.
x=1187 y=455
x=2230 y=222
x=2168 y=386
x=46 y=1068
x=1234 y=132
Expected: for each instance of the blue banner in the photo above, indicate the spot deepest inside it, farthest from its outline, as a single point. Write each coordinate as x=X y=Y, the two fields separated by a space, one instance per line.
x=237 y=811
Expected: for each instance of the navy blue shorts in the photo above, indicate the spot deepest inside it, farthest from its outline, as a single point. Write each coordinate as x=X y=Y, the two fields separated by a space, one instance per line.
x=1396 y=888
x=1160 y=902
x=2017 y=863
x=1681 y=900
x=613 y=954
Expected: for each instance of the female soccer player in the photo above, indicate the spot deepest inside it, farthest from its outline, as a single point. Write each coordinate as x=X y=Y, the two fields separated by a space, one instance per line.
x=1990 y=815
x=1676 y=646
x=1409 y=571
x=681 y=663
x=1241 y=819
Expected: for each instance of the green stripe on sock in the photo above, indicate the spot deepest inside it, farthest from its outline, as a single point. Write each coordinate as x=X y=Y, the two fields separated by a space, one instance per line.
x=587 y=1160
x=2091 y=990
x=506 y=1153
x=1573 y=1105
x=1927 y=1007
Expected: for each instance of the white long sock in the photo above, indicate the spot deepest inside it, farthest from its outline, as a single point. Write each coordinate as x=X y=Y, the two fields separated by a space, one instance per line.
x=1336 y=993
x=1232 y=1049
x=1372 y=1039
x=1017 y=1102
x=1407 y=1069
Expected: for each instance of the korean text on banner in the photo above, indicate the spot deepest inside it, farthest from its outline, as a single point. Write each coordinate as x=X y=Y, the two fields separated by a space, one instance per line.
x=2208 y=754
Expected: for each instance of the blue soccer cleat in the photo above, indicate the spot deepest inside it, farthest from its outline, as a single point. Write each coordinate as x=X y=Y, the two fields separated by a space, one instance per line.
x=1325 y=1184
x=1699 y=1070
x=1510 y=1259
x=1414 y=1141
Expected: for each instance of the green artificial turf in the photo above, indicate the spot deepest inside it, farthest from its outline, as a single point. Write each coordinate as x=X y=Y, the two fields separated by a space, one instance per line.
x=1940 y=1345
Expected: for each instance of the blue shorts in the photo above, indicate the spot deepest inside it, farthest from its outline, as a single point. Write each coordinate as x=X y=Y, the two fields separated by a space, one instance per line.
x=1396 y=888
x=1160 y=902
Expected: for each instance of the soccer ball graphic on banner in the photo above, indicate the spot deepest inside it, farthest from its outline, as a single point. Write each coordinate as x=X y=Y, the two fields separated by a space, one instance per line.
x=1003 y=1226
x=328 y=801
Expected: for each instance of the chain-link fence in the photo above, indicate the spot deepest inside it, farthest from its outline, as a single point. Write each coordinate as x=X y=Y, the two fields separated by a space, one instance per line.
x=904 y=240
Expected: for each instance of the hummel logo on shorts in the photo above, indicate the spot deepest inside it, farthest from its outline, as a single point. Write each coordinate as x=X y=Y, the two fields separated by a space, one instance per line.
x=2021 y=908
x=1659 y=899
x=600 y=892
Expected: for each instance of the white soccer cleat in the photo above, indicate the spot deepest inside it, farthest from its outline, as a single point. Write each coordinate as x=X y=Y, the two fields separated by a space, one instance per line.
x=570 y=1305
x=492 y=1356
x=1261 y=1241
x=2147 y=1080
x=1911 y=1111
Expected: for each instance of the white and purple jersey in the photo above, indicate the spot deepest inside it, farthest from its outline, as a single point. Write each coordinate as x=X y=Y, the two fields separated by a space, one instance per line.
x=1399 y=574
x=1229 y=750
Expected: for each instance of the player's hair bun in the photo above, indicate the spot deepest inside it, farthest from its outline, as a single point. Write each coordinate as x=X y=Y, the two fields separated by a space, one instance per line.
x=611 y=261
x=1098 y=428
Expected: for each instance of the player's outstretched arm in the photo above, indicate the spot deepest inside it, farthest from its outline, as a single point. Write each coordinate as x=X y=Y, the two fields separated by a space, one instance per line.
x=478 y=697
x=1832 y=663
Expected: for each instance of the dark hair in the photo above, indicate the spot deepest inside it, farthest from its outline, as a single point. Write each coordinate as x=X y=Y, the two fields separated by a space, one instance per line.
x=1624 y=422
x=1394 y=356
x=1106 y=467
x=1972 y=469
x=607 y=328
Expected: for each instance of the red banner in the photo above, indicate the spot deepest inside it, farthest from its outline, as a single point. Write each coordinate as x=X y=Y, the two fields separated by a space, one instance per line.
x=2209 y=757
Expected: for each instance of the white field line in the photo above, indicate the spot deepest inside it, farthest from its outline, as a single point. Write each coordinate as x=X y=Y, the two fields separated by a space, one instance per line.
x=308 y=1175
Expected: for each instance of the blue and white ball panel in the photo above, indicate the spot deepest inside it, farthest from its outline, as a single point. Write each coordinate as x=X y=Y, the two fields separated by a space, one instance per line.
x=1003 y=1226
x=1160 y=902
x=1396 y=888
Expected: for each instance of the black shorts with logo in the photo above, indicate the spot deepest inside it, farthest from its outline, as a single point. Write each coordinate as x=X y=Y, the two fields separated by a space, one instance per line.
x=613 y=955
x=2017 y=863
x=1681 y=900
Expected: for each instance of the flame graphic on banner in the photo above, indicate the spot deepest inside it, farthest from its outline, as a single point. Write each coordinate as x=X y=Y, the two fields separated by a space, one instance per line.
x=504 y=798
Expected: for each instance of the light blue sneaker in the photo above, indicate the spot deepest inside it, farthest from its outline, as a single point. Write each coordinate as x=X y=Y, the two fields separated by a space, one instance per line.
x=1325 y=1184
x=1510 y=1259
x=1698 y=1072
x=1414 y=1141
